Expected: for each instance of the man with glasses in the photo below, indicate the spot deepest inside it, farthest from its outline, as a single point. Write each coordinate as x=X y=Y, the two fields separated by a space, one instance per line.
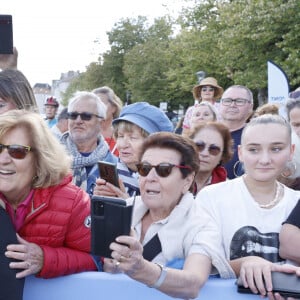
x=235 y=109
x=84 y=140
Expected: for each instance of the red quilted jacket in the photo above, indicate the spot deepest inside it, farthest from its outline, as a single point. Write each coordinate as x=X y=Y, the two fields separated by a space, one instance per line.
x=56 y=222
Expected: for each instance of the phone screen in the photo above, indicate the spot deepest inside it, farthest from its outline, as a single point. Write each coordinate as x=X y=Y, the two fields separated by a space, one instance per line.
x=108 y=172
x=6 y=34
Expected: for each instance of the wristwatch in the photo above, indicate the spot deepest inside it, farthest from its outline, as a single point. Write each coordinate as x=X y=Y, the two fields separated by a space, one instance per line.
x=161 y=278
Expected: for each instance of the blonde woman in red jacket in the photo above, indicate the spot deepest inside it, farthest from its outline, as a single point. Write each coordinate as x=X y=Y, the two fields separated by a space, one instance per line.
x=49 y=213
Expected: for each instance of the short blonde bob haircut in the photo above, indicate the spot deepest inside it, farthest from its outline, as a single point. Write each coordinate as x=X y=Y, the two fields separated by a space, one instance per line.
x=51 y=161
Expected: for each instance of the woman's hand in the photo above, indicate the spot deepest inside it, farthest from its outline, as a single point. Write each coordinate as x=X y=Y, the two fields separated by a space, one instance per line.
x=255 y=273
x=286 y=268
x=30 y=257
x=104 y=188
x=9 y=61
x=127 y=256
x=277 y=296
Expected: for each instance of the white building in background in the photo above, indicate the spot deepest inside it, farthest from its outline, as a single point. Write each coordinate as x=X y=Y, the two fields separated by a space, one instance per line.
x=43 y=90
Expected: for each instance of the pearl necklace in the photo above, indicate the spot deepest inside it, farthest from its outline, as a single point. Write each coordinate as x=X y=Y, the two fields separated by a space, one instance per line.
x=276 y=198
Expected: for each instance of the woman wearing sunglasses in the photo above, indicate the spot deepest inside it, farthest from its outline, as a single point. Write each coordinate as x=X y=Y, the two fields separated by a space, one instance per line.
x=214 y=144
x=243 y=216
x=15 y=93
x=165 y=221
x=48 y=212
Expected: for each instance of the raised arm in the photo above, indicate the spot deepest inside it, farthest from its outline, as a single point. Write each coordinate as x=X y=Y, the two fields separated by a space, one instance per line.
x=9 y=61
x=185 y=283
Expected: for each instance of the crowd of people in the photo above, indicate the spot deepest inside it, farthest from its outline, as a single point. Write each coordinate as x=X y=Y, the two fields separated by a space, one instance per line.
x=220 y=198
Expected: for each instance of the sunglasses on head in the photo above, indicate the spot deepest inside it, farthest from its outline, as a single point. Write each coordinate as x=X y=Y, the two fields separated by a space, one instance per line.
x=85 y=116
x=16 y=151
x=207 y=88
x=212 y=149
x=162 y=169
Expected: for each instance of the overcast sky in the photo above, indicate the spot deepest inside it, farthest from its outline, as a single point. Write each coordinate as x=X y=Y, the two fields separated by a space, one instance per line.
x=57 y=36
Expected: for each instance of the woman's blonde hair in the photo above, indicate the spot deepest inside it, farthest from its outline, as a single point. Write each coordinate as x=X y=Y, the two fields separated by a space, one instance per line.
x=51 y=161
x=128 y=127
x=112 y=98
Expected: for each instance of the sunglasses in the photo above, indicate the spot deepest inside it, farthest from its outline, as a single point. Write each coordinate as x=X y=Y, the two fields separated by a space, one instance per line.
x=206 y=88
x=212 y=149
x=16 y=151
x=85 y=116
x=162 y=169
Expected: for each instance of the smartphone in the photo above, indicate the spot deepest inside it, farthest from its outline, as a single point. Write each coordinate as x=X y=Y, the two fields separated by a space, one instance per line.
x=288 y=285
x=6 y=34
x=108 y=172
x=111 y=217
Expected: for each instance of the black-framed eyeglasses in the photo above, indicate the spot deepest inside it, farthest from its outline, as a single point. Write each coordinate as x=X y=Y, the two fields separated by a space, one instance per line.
x=237 y=101
x=16 y=151
x=162 y=169
x=85 y=116
x=212 y=149
x=207 y=88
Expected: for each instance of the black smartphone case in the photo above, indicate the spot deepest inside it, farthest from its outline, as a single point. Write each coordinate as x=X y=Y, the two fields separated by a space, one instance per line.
x=109 y=220
x=288 y=285
x=6 y=34
x=108 y=171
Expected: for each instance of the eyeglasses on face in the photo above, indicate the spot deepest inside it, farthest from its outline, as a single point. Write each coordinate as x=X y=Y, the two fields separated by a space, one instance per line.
x=162 y=169
x=212 y=149
x=16 y=151
x=237 y=101
x=207 y=88
x=85 y=116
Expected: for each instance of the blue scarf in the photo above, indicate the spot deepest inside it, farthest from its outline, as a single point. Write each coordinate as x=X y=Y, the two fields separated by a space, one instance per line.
x=80 y=162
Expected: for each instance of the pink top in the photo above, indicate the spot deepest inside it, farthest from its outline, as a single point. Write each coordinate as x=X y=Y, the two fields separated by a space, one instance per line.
x=17 y=216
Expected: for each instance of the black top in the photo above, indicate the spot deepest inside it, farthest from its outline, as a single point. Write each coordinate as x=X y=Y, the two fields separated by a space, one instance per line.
x=294 y=217
x=235 y=170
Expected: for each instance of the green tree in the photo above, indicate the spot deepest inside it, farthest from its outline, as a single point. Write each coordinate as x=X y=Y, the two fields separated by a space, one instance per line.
x=145 y=64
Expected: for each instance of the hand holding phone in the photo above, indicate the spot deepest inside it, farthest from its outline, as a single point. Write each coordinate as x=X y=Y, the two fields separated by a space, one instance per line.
x=111 y=217
x=288 y=285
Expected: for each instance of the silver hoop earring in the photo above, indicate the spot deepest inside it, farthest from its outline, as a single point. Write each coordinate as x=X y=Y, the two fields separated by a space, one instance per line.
x=289 y=170
x=238 y=169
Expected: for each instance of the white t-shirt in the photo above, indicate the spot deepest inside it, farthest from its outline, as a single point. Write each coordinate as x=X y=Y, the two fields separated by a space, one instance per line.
x=237 y=225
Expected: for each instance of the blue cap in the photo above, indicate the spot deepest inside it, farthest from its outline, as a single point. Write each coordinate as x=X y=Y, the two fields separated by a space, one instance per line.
x=148 y=117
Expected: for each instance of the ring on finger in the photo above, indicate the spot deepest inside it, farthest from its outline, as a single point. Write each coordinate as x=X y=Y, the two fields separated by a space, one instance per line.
x=117 y=263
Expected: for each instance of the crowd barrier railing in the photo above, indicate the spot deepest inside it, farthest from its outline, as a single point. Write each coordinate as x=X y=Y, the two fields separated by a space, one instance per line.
x=99 y=285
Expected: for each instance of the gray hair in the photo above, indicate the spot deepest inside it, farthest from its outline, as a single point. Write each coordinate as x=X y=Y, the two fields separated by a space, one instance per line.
x=250 y=95
x=82 y=95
